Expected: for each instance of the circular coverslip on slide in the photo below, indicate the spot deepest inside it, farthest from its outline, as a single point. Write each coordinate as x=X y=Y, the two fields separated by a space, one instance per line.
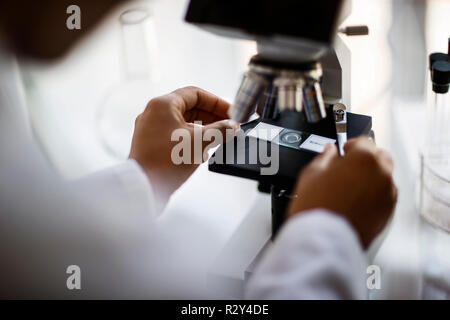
x=291 y=137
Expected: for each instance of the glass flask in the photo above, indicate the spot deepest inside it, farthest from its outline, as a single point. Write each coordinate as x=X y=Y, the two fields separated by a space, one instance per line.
x=124 y=101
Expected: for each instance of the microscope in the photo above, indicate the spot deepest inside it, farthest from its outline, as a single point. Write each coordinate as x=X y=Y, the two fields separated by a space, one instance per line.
x=298 y=83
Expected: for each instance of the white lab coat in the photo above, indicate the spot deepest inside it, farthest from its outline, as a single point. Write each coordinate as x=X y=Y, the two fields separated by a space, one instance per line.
x=106 y=224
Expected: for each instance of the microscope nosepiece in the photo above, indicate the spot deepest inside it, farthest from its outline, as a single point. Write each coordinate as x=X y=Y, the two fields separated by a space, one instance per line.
x=290 y=93
x=250 y=91
x=313 y=103
x=276 y=86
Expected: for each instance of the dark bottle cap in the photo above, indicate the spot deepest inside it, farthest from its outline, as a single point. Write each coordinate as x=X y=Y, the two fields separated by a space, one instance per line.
x=437 y=56
x=441 y=76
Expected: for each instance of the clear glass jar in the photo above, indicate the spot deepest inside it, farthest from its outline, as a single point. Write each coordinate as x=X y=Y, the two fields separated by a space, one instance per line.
x=435 y=165
x=435 y=195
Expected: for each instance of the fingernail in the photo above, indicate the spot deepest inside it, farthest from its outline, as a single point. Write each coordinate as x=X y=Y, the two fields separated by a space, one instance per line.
x=233 y=124
x=197 y=124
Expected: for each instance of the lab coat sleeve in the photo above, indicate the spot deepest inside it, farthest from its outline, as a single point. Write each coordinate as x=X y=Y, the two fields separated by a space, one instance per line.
x=317 y=255
x=124 y=187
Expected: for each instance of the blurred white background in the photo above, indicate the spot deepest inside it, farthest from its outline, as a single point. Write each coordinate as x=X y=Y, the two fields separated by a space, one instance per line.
x=388 y=83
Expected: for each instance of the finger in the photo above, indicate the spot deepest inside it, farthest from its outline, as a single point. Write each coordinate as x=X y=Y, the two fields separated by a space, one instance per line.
x=391 y=203
x=203 y=116
x=219 y=132
x=385 y=160
x=329 y=154
x=360 y=144
x=394 y=195
x=204 y=138
x=192 y=97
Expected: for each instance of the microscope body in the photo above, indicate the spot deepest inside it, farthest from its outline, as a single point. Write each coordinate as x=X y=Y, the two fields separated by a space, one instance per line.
x=299 y=81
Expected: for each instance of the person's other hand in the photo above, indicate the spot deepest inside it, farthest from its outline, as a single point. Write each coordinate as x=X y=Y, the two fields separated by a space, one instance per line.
x=152 y=146
x=359 y=186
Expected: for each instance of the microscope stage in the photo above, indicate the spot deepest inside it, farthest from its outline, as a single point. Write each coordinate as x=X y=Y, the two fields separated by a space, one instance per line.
x=290 y=160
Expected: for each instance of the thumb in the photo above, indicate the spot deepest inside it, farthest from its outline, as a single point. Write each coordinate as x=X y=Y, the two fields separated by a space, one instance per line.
x=329 y=154
x=216 y=133
x=219 y=132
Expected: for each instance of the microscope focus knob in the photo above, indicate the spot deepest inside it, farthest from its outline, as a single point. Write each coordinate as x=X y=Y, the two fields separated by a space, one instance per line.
x=355 y=30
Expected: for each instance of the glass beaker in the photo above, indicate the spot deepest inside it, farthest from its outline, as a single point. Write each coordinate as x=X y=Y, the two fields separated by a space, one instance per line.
x=435 y=158
x=126 y=100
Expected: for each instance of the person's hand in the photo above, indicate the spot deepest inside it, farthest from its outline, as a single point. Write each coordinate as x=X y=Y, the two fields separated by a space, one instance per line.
x=358 y=186
x=152 y=146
